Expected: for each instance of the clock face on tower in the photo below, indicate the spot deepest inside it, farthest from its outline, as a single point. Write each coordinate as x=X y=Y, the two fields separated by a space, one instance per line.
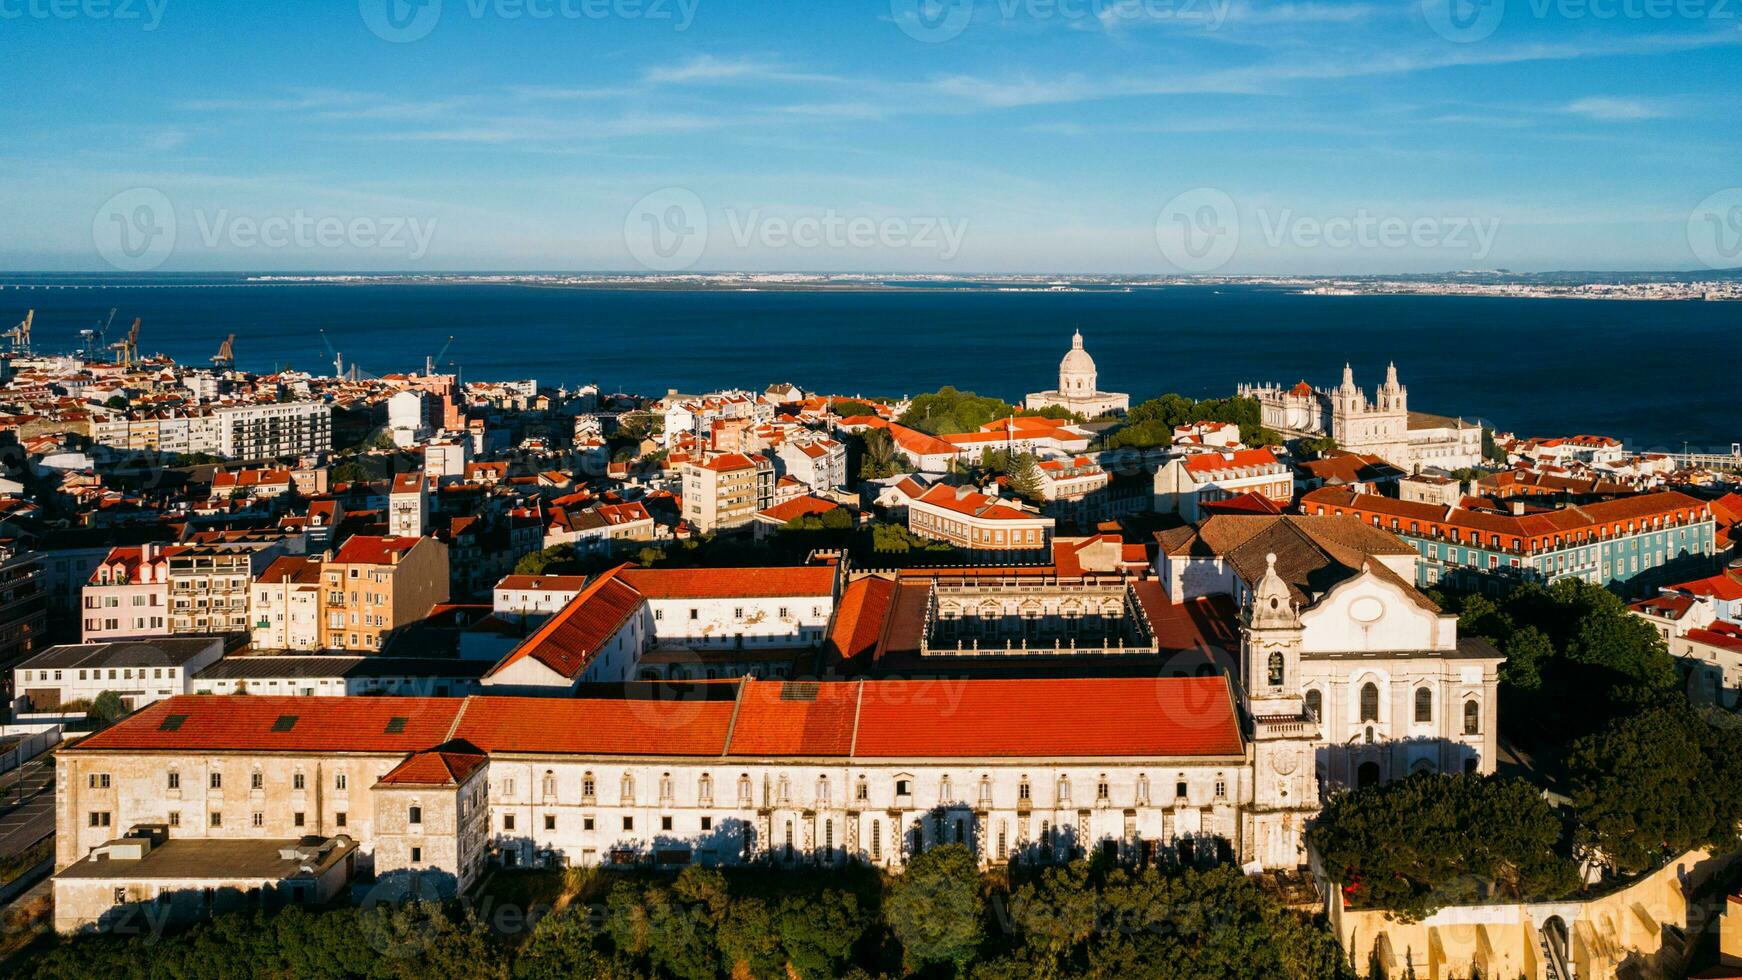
x=1284 y=762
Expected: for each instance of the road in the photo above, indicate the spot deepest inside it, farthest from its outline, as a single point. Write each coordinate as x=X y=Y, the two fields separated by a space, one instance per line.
x=26 y=805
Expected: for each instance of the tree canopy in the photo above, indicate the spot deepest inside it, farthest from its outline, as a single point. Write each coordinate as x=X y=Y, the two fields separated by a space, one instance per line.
x=1655 y=783
x=1151 y=423
x=948 y=411
x=1432 y=840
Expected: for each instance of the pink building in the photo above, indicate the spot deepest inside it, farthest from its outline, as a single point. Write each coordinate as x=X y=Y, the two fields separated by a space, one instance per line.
x=127 y=596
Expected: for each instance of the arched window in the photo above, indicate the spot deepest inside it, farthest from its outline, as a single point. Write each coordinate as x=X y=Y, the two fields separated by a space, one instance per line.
x=1143 y=787
x=1369 y=701
x=745 y=791
x=587 y=785
x=665 y=788
x=1064 y=789
x=1472 y=717
x=985 y=790
x=1276 y=670
x=705 y=789
x=785 y=791
x=944 y=793
x=1367 y=775
x=549 y=783
x=1315 y=704
x=822 y=790
x=1424 y=705
x=1023 y=793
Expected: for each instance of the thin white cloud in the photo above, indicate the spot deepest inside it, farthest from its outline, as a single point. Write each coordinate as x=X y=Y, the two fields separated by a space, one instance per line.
x=1606 y=109
x=708 y=70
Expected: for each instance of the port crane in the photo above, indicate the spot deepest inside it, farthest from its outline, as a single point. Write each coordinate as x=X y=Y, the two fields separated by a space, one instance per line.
x=127 y=351
x=20 y=334
x=429 y=364
x=225 y=358
x=98 y=334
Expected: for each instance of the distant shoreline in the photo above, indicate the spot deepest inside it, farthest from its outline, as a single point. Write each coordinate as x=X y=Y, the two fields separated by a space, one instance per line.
x=1632 y=287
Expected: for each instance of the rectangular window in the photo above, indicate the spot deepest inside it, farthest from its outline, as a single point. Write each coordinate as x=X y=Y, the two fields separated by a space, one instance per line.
x=339 y=819
x=550 y=821
x=628 y=823
x=414 y=816
x=217 y=818
x=508 y=821
x=417 y=855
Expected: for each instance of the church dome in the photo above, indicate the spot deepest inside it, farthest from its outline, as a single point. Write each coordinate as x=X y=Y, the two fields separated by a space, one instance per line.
x=1077 y=362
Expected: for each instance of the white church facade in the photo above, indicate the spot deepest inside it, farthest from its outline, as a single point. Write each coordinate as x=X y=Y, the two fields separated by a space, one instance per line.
x=1078 y=388
x=1335 y=636
x=1382 y=426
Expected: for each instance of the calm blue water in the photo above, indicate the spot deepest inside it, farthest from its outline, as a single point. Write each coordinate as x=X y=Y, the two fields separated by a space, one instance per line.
x=1655 y=374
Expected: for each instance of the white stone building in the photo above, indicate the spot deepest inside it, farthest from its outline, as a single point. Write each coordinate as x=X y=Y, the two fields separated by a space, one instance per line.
x=1077 y=390
x=140 y=672
x=1383 y=426
x=1332 y=618
x=779 y=772
x=695 y=623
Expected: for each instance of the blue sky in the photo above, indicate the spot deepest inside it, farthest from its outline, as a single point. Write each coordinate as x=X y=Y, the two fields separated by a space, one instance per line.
x=995 y=136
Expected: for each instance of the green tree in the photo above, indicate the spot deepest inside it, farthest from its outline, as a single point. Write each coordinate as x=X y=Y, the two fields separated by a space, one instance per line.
x=1654 y=784
x=852 y=408
x=818 y=932
x=935 y=908
x=1413 y=846
x=107 y=708
x=948 y=411
x=877 y=457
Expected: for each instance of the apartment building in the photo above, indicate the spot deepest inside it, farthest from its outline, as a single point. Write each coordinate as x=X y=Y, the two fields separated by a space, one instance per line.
x=375 y=586
x=23 y=612
x=979 y=523
x=726 y=491
x=1184 y=484
x=273 y=430
x=284 y=610
x=127 y=596
x=1629 y=544
x=209 y=581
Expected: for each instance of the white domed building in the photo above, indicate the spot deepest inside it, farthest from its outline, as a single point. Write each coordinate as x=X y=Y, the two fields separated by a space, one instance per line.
x=1077 y=390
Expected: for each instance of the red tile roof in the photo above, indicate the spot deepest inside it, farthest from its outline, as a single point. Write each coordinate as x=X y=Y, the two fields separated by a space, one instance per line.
x=799 y=507
x=859 y=617
x=435 y=768
x=363 y=549
x=1260 y=460
x=449 y=737
x=1048 y=718
x=568 y=641
x=285 y=724
x=731 y=583
x=795 y=718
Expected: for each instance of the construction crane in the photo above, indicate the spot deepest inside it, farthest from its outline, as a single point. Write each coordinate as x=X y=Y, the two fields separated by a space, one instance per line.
x=20 y=335
x=225 y=358
x=127 y=351
x=429 y=364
